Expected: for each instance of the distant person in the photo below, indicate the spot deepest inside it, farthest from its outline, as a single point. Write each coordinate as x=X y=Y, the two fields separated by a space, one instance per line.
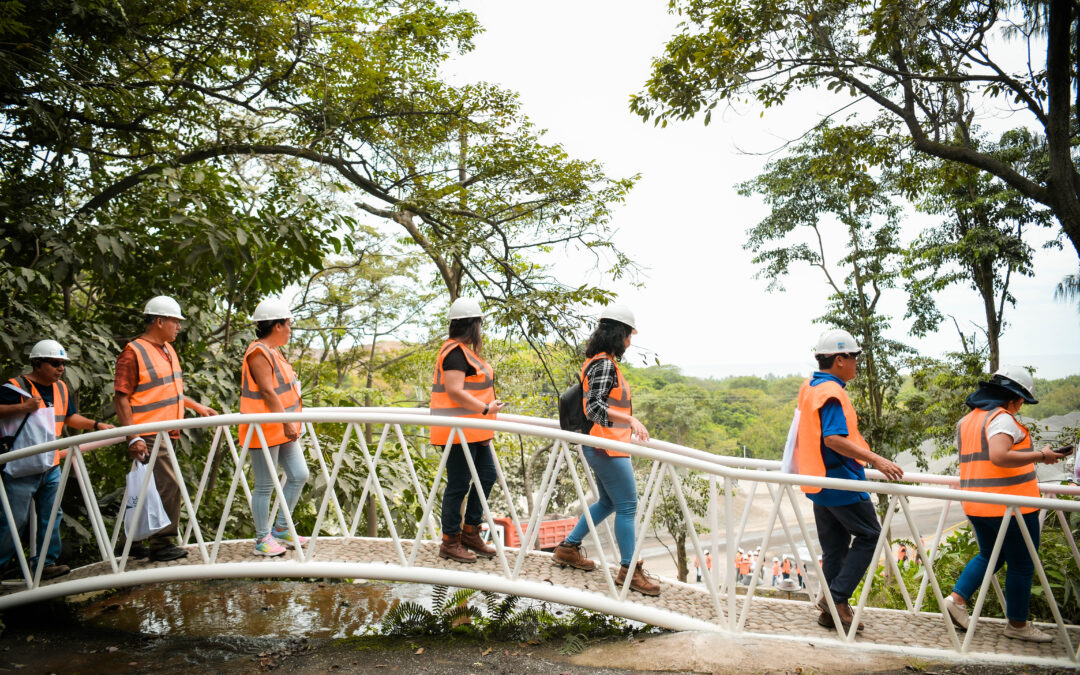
x=149 y=387
x=996 y=456
x=464 y=386
x=744 y=570
x=36 y=479
x=697 y=568
x=901 y=556
x=786 y=568
x=775 y=571
x=608 y=406
x=829 y=444
x=269 y=385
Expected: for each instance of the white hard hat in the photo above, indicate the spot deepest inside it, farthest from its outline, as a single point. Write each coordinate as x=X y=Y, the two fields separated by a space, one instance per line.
x=465 y=308
x=776 y=559
x=48 y=349
x=836 y=341
x=621 y=313
x=163 y=305
x=271 y=309
x=1016 y=379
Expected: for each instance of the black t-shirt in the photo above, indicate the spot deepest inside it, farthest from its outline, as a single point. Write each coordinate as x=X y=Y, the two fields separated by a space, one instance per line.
x=10 y=397
x=456 y=360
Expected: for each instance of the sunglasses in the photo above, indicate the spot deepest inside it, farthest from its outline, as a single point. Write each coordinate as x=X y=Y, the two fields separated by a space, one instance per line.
x=854 y=356
x=55 y=363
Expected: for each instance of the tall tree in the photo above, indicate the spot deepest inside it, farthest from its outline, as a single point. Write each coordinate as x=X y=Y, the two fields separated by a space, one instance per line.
x=919 y=63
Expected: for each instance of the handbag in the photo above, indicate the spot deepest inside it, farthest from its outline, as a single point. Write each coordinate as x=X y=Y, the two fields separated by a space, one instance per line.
x=38 y=427
x=153 y=516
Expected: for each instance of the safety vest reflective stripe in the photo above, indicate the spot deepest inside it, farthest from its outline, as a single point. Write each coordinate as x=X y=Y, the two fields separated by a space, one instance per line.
x=481 y=385
x=978 y=472
x=618 y=398
x=286 y=386
x=159 y=392
x=808 y=459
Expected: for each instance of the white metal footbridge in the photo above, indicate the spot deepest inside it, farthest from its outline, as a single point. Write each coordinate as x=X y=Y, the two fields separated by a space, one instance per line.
x=410 y=552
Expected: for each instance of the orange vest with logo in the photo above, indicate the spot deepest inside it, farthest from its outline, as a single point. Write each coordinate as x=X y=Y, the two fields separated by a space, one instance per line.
x=978 y=473
x=481 y=385
x=60 y=404
x=619 y=398
x=159 y=394
x=808 y=460
x=286 y=387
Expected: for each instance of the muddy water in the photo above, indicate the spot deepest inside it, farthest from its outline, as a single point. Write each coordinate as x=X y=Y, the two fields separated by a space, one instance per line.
x=249 y=609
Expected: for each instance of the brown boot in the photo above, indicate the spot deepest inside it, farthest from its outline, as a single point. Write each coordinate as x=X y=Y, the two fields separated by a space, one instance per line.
x=451 y=548
x=641 y=581
x=572 y=555
x=470 y=539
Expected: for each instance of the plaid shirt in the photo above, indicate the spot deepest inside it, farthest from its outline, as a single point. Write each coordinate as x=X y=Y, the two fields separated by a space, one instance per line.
x=602 y=379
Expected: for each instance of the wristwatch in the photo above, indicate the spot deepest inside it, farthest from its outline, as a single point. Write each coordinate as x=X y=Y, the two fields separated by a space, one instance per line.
x=486 y=408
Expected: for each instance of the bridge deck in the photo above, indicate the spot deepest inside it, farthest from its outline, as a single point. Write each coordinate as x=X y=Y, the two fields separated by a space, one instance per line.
x=768 y=616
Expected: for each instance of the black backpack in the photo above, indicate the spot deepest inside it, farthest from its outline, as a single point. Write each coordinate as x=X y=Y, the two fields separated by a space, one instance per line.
x=572 y=409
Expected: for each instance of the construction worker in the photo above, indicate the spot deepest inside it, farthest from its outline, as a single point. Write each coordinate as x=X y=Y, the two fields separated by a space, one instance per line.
x=148 y=387
x=36 y=479
x=996 y=456
x=464 y=386
x=775 y=571
x=786 y=567
x=269 y=385
x=744 y=570
x=697 y=568
x=607 y=404
x=829 y=445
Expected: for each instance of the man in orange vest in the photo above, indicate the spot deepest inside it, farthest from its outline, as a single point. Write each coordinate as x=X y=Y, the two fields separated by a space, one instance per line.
x=775 y=571
x=48 y=360
x=149 y=387
x=829 y=445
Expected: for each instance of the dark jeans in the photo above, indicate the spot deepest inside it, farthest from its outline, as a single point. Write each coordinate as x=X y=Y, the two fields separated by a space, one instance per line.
x=1020 y=568
x=459 y=484
x=848 y=535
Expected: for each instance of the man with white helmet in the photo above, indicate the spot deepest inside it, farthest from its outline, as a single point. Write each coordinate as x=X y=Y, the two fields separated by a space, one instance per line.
x=149 y=387
x=829 y=445
x=24 y=481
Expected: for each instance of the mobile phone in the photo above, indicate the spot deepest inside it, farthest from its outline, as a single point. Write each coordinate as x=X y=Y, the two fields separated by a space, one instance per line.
x=1067 y=450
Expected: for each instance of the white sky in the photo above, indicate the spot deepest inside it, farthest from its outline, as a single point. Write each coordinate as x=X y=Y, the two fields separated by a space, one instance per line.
x=575 y=65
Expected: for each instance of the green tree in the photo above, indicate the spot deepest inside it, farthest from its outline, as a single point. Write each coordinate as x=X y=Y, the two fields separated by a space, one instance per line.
x=920 y=64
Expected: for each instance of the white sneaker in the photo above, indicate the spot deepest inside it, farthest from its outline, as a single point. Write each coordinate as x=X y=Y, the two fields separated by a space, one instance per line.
x=1026 y=632
x=957 y=613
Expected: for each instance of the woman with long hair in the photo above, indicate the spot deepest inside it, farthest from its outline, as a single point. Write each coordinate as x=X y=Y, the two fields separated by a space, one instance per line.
x=464 y=386
x=608 y=407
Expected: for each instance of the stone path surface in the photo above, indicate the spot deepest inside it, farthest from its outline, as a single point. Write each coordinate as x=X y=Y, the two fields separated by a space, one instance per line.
x=768 y=616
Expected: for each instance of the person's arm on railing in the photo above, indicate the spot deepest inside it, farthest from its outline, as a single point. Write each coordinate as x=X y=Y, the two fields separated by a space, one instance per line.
x=136 y=446
x=1002 y=454
x=842 y=446
x=77 y=421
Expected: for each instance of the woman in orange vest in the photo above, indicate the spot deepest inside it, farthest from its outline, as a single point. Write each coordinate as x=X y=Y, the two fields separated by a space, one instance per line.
x=996 y=456
x=269 y=385
x=464 y=386
x=607 y=405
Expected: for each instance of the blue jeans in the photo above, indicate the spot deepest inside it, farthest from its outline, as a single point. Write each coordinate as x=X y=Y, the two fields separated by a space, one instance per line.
x=618 y=494
x=41 y=488
x=1014 y=554
x=459 y=483
x=289 y=457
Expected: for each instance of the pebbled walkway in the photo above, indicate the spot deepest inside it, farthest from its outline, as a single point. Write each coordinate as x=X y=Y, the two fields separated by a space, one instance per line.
x=767 y=616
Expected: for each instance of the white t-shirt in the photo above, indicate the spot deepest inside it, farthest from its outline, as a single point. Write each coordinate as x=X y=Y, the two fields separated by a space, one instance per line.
x=1005 y=424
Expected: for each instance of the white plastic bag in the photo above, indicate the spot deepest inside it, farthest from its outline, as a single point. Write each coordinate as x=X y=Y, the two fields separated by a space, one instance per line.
x=40 y=427
x=788 y=463
x=153 y=516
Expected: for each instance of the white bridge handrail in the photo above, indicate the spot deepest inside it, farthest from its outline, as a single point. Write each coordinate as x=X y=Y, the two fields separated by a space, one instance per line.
x=723 y=473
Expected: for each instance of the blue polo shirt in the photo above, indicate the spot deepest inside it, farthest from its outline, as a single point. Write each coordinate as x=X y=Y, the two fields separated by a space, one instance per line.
x=834 y=423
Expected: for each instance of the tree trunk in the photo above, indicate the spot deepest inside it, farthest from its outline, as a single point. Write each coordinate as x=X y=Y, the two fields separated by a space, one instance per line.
x=680 y=556
x=369 y=434
x=1063 y=184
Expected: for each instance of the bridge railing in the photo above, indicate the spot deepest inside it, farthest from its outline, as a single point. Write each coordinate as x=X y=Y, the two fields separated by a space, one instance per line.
x=666 y=463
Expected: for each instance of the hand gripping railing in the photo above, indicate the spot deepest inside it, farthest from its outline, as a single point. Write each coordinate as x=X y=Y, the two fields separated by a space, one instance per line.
x=723 y=474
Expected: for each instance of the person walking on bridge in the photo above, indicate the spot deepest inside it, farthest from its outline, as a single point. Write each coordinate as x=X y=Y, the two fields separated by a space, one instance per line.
x=829 y=445
x=608 y=406
x=464 y=386
x=269 y=385
x=996 y=456
x=37 y=478
x=149 y=387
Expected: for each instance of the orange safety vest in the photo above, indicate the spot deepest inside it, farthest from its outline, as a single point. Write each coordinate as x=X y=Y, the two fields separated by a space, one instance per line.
x=60 y=405
x=776 y=569
x=286 y=387
x=618 y=398
x=808 y=460
x=708 y=560
x=787 y=566
x=159 y=394
x=481 y=385
x=744 y=566
x=979 y=474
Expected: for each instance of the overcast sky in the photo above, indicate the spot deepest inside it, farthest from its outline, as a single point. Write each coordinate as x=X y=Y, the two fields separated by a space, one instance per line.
x=575 y=64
